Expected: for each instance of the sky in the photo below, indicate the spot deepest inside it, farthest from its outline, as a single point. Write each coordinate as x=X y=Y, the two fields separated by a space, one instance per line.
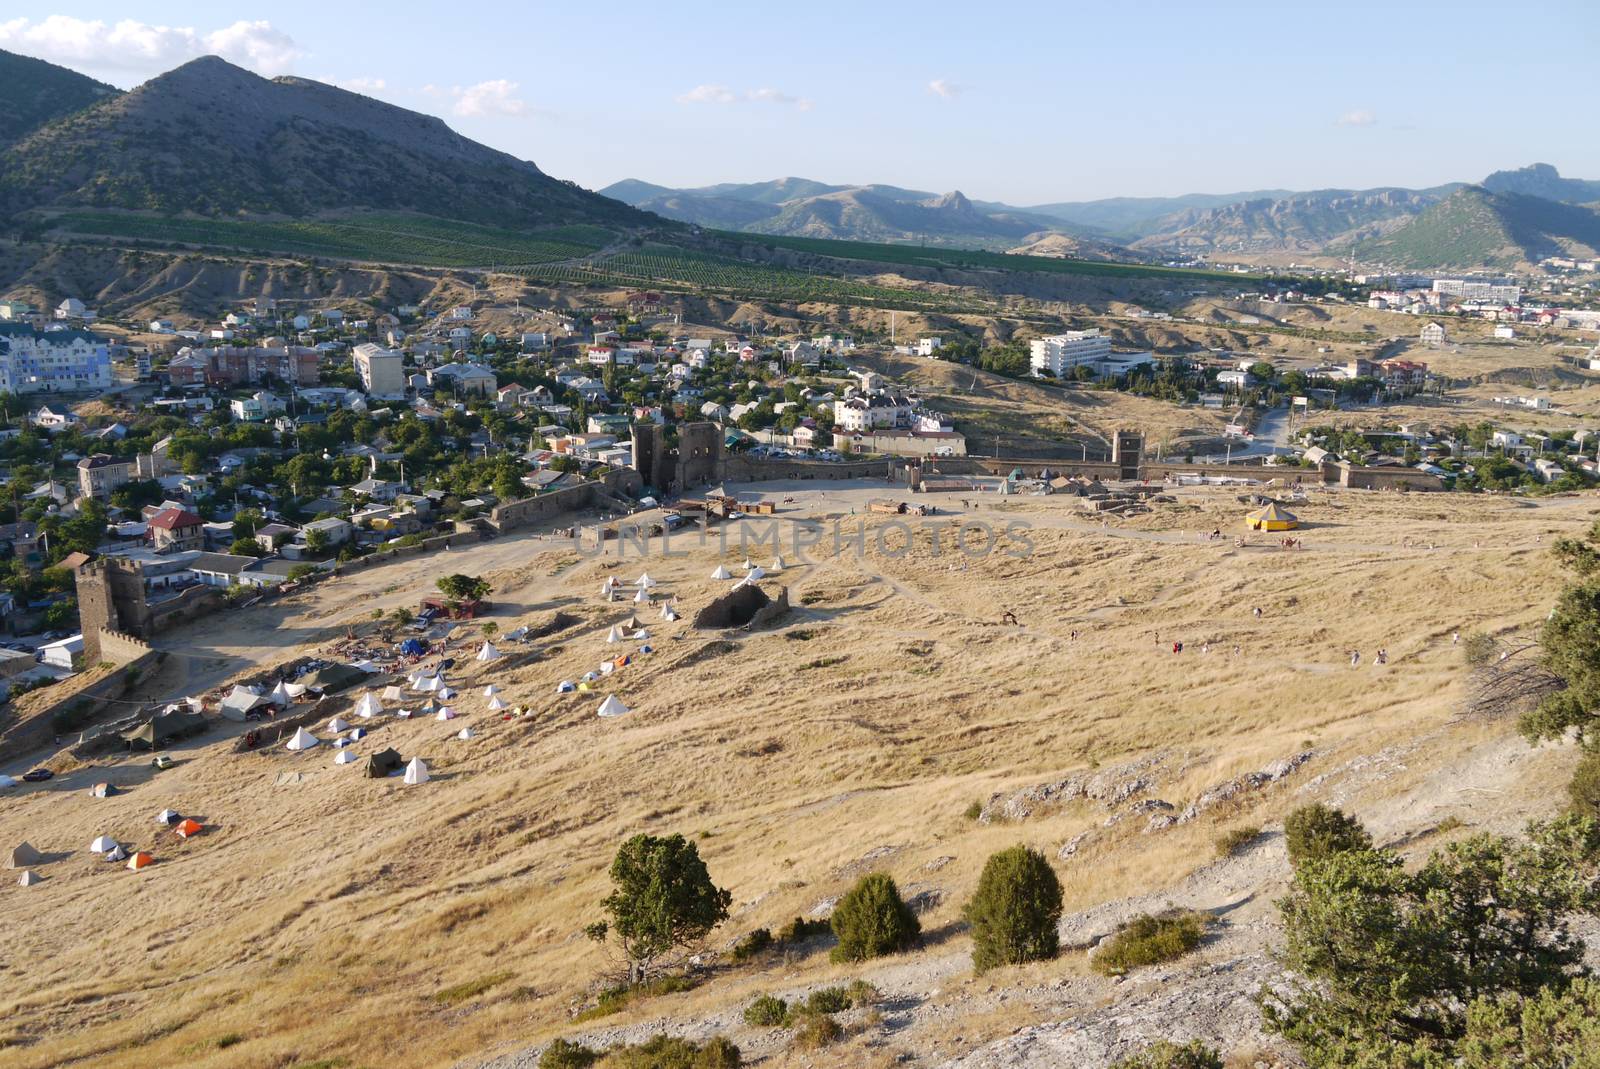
x=1026 y=103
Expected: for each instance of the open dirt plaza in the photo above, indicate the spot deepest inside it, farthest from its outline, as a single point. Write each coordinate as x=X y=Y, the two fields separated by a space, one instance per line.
x=906 y=691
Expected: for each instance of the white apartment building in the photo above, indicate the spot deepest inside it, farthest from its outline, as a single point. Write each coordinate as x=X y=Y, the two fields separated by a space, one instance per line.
x=382 y=371
x=45 y=361
x=1060 y=353
x=1479 y=289
x=865 y=413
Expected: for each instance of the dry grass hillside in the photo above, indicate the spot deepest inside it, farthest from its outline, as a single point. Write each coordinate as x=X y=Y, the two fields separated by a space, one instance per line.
x=327 y=919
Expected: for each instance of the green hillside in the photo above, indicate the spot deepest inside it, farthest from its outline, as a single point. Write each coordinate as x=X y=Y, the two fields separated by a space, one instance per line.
x=1476 y=228
x=33 y=93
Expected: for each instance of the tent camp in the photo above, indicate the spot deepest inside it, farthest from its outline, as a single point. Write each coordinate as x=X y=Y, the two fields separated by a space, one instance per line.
x=644 y=582
x=667 y=612
x=429 y=684
x=393 y=693
x=464 y=734
x=642 y=598
x=496 y=704
x=566 y=686
x=240 y=701
x=302 y=740
x=384 y=762
x=447 y=713
x=721 y=573
x=413 y=647
x=612 y=706
x=102 y=843
x=280 y=695
x=615 y=634
x=1272 y=518
x=345 y=757
x=416 y=772
x=116 y=853
x=334 y=677
x=28 y=878
x=487 y=652
x=369 y=706
x=338 y=725
x=163 y=729
x=23 y=856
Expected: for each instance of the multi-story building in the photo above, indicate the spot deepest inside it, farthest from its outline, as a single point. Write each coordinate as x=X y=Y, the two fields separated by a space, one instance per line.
x=52 y=361
x=1479 y=289
x=244 y=366
x=176 y=529
x=100 y=474
x=382 y=371
x=865 y=412
x=1060 y=353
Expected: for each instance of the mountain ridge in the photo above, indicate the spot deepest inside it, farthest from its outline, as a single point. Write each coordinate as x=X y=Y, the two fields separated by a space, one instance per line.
x=34 y=93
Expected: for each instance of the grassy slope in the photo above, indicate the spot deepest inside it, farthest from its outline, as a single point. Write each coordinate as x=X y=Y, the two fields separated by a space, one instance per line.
x=33 y=93
x=1475 y=228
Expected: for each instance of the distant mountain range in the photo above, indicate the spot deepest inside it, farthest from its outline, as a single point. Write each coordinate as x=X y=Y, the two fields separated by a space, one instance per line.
x=1449 y=226
x=212 y=139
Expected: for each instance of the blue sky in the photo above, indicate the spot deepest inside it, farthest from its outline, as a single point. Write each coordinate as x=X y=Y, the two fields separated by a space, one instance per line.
x=1022 y=102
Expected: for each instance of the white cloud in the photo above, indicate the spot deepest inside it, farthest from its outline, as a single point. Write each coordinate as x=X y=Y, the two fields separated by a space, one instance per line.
x=139 y=47
x=721 y=94
x=945 y=89
x=1358 y=117
x=495 y=97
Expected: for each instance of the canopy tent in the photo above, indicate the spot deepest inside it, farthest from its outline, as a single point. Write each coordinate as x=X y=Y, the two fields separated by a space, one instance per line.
x=487 y=652
x=335 y=677
x=28 y=878
x=615 y=634
x=496 y=704
x=384 y=762
x=164 y=728
x=369 y=706
x=168 y=817
x=280 y=694
x=612 y=706
x=393 y=693
x=721 y=573
x=102 y=843
x=644 y=582
x=240 y=701
x=566 y=686
x=302 y=740
x=413 y=647
x=139 y=860
x=490 y=691
x=337 y=724
x=1272 y=518
x=345 y=757
x=464 y=734
x=188 y=829
x=23 y=856
x=416 y=772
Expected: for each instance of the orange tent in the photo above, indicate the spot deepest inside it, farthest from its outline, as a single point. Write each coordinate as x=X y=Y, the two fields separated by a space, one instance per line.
x=187 y=828
x=139 y=860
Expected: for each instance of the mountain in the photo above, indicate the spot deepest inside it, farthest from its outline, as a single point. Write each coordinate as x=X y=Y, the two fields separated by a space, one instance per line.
x=1543 y=180
x=33 y=93
x=1475 y=227
x=1298 y=223
x=212 y=139
x=1131 y=218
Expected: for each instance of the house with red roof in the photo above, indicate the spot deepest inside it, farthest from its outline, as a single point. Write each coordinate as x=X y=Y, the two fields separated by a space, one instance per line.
x=176 y=529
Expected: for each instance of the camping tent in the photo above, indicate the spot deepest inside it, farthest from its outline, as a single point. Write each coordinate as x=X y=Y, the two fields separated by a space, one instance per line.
x=165 y=728
x=345 y=757
x=777 y=563
x=280 y=694
x=416 y=772
x=666 y=612
x=103 y=790
x=116 y=853
x=295 y=689
x=447 y=713
x=496 y=704
x=392 y=693
x=102 y=843
x=167 y=816
x=383 y=762
x=615 y=634
x=464 y=734
x=641 y=598
x=337 y=725
x=413 y=647
x=612 y=706
x=139 y=860
x=335 y=677
x=721 y=573
x=490 y=691
x=369 y=706
x=641 y=635
x=357 y=733
x=748 y=564
x=23 y=856
x=566 y=686
x=188 y=829
x=647 y=648
x=429 y=684
x=28 y=878
x=1272 y=518
x=446 y=693
x=487 y=652
x=755 y=573
x=303 y=740
x=644 y=582
x=240 y=701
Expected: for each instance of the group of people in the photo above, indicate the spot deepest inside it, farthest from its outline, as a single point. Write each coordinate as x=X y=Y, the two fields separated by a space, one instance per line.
x=1381 y=657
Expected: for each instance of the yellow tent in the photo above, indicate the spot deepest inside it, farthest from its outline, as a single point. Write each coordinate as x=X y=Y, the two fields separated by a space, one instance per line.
x=1272 y=518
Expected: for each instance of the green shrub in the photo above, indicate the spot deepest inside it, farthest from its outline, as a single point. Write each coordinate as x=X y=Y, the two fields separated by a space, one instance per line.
x=616 y=999
x=471 y=989
x=752 y=944
x=670 y=1052
x=1165 y=1055
x=800 y=929
x=766 y=1012
x=1317 y=831
x=1015 y=910
x=1584 y=788
x=872 y=920
x=973 y=811
x=828 y=1000
x=229 y=1040
x=1148 y=940
x=862 y=994
x=1234 y=840
x=564 y=1054
x=817 y=1030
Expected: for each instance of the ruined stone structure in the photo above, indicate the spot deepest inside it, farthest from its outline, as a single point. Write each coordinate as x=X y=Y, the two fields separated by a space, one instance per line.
x=698 y=460
x=112 y=597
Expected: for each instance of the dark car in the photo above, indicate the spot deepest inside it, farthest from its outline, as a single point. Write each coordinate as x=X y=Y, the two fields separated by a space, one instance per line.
x=38 y=775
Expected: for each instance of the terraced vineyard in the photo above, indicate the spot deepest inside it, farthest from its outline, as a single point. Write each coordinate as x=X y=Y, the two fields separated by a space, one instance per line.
x=398 y=239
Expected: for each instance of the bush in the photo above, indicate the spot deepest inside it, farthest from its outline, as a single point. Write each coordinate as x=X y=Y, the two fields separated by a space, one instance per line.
x=670 y=1052
x=1316 y=831
x=1234 y=840
x=872 y=920
x=828 y=1000
x=766 y=1012
x=862 y=994
x=1584 y=788
x=1148 y=940
x=1015 y=910
x=564 y=1054
x=973 y=811
x=817 y=1030
x=752 y=944
x=800 y=929
x=1165 y=1055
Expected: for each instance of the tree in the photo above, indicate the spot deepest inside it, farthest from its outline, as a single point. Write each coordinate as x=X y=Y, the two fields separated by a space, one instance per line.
x=1316 y=831
x=316 y=541
x=1552 y=1028
x=663 y=900
x=1015 y=910
x=1386 y=963
x=872 y=920
x=1584 y=787
x=1571 y=642
x=246 y=547
x=460 y=587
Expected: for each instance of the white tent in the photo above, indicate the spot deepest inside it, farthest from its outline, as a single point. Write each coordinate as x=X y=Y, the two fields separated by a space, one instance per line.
x=607 y=667
x=416 y=772
x=280 y=694
x=490 y=691
x=357 y=733
x=239 y=702
x=366 y=666
x=446 y=713
x=641 y=598
x=612 y=706
x=393 y=693
x=295 y=689
x=464 y=734
x=615 y=634
x=641 y=635
x=345 y=757
x=496 y=704
x=369 y=706
x=337 y=725
x=777 y=563
x=303 y=740
x=608 y=588
x=168 y=816
x=446 y=693
x=667 y=612
x=102 y=843
x=748 y=564
x=566 y=686
x=644 y=582
x=721 y=573
x=28 y=878
x=488 y=653
x=755 y=573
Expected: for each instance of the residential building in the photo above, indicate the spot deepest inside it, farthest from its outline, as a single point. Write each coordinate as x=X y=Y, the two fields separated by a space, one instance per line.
x=244 y=366
x=72 y=308
x=176 y=529
x=1432 y=334
x=381 y=371
x=100 y=474
x=865 y=412
x=928 y=346
x=463 y=380
x=1060 y=353
x=46 y=361
x=1479 y=289
x=50 y=421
